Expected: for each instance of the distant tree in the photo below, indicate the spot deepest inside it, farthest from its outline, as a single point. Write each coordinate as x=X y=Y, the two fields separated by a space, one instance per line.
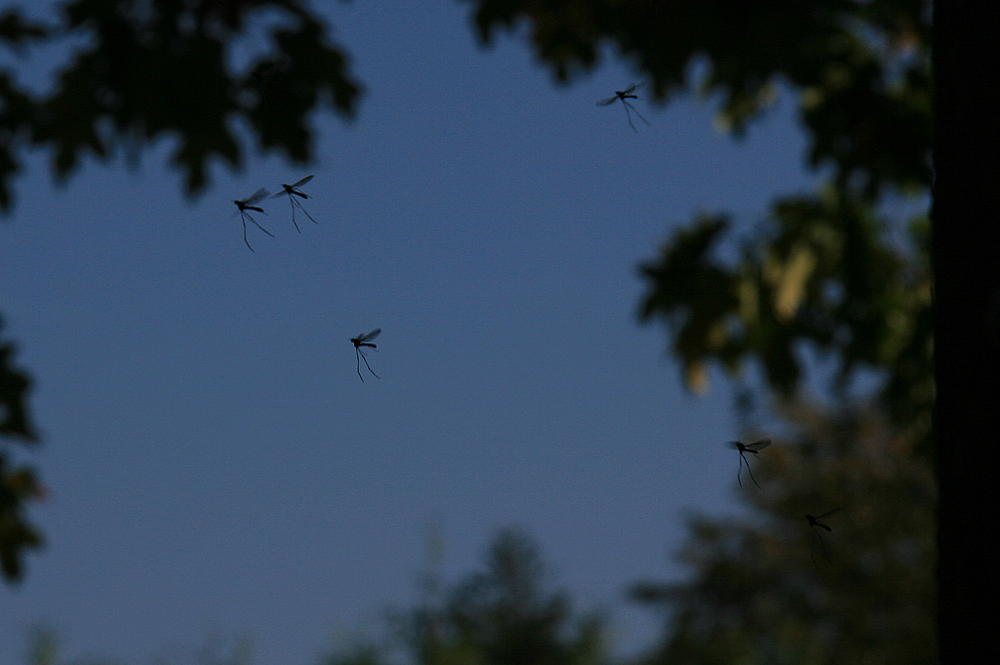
x=503 y=615
x=44 y=649
x=139 y=72
x=773 y=589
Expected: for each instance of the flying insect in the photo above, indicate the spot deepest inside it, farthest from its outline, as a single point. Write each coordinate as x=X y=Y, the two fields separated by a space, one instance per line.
x=625 y=95
x=248 y=204
x=360 y=342
x=292 y=191
x=815 y=522
x=751 y=448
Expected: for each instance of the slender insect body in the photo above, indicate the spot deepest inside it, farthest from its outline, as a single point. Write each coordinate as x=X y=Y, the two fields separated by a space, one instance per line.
x=815 y=522
x=292 y=190
x=624 y=96
x=360 y=343
x=744 y=448
x=248 y=204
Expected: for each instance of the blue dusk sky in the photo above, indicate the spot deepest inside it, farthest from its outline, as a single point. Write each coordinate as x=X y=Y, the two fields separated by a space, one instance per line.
x=215 y=465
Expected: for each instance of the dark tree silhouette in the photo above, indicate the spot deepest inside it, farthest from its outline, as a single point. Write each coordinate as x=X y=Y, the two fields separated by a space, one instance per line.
x=18 y=484
x=152 y=70
x=503 y=615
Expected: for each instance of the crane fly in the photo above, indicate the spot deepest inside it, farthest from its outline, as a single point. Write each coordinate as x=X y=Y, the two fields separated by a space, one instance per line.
x=360 y=342
x=814 y=522
x=748 y=448
x=625 y=95
x=248 y=204
x=292 y=191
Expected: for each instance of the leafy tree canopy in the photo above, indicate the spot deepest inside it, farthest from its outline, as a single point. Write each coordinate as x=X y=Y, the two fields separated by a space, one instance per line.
x=826 y=273
x=150 y=70
x=860 y=69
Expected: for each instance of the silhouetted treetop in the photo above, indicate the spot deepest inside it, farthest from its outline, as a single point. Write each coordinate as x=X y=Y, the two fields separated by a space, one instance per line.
x=861 y=69
x=152 y=70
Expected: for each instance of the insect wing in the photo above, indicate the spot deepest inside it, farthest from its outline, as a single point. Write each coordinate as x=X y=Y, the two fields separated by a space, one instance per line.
x=608 y=101
x=630 y=88
x=259 y=195
x=370 y=336
x=302 y=182
x=757 y=445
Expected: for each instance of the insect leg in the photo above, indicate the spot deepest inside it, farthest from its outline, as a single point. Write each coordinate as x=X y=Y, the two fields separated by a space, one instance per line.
x=299 y=203
x=261 y=227
x=822 y=547
x=243 y=216
x=751 y=474
x=629 y=116
x=637 y=113
x=367 y=365
x=291 y=202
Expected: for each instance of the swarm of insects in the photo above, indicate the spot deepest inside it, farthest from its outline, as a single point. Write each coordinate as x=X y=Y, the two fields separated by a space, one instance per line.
x=625 y=95
x=360 y=342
